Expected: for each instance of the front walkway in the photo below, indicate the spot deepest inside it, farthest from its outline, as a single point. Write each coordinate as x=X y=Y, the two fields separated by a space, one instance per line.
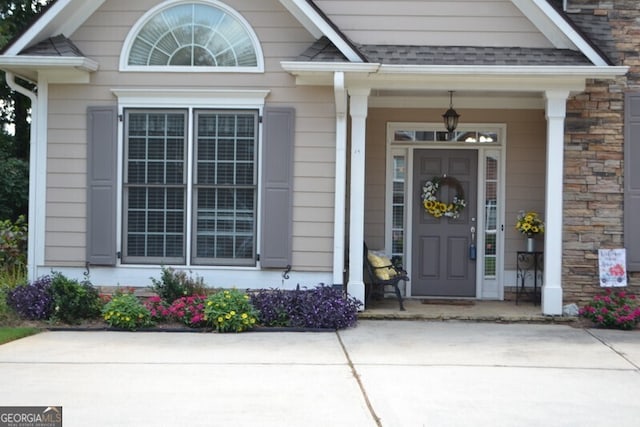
x=489 y=311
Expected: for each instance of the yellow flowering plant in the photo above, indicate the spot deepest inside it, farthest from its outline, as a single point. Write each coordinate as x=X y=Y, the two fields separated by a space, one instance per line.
x=529 y=223
x=230 y=310
x=125 y=311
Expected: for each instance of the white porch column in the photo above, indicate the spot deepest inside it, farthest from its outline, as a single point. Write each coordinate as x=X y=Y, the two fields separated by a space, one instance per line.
x=358 y=110
x=556 y=107
x=341 y=179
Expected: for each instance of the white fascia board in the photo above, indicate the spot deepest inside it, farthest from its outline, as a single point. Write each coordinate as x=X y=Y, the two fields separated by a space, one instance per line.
x=62 y=17
x=57 y=69
x=433 y=77
x=556 y=29
x=40 y=62
x=322 y=73
x=317 y=26
x=295 y=67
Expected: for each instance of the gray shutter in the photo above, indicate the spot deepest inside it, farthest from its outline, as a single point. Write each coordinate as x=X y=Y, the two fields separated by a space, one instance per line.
x=102 y=128
x=277 y=187
x=632 y=180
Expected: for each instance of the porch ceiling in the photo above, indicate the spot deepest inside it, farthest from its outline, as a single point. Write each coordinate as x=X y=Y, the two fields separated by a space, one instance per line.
x=480 y=99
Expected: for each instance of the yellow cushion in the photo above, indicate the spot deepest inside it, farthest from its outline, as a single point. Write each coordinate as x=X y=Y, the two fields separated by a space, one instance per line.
x=380 y=260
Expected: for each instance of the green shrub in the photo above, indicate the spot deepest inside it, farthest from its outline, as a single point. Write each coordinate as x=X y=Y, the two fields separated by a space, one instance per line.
x=230 y=311
x=177 y=284
x=13 y=252
x=5 y=310
x=127 y=312
x=14 y=186
x=74 y=300
x=616 y=309
x=12 y=277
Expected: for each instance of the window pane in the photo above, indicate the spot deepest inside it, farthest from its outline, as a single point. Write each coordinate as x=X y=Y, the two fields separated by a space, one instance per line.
x=226 y=186
x=193 y=35
x=398 y=206
x=155 y=213
x=224 y=192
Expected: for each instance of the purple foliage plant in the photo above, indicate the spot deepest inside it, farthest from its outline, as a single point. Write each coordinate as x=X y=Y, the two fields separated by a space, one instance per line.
x=33 y=301
x=323 y=307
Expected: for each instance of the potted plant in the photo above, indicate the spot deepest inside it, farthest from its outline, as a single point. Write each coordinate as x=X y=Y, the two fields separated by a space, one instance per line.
x=530 y=224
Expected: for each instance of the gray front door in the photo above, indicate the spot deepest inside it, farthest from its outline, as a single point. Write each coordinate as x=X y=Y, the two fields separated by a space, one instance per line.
x=441 y=262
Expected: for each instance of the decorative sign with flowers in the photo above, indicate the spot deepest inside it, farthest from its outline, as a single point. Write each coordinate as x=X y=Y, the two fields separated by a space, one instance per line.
x=529 y=223
x=612 y=265
x=437 y=207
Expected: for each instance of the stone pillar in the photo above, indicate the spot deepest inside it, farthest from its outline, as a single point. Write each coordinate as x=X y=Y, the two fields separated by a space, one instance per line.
x=556 y=101
x=358 y=110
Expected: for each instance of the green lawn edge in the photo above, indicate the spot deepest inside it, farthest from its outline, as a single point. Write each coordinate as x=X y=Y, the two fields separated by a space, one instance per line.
x=8 y=334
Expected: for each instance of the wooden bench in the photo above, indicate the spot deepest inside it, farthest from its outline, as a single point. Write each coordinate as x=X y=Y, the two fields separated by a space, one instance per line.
x=384 y=274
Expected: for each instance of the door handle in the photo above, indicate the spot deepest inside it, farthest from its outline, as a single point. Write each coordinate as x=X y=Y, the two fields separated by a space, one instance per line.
x=472 y=246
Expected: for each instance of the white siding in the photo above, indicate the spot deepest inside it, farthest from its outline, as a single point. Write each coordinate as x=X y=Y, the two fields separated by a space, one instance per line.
x=433 y=22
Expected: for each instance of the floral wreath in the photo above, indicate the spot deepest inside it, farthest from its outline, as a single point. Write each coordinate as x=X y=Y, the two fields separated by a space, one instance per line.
x=438 y=208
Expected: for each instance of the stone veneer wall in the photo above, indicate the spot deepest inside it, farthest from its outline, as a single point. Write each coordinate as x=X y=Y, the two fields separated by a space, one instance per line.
x=594 y=157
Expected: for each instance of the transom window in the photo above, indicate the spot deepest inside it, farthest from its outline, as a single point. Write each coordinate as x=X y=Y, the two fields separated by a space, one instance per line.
x=193 y=35
x=222 y=187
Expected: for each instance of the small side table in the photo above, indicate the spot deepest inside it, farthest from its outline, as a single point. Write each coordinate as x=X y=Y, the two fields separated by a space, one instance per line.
x=530 y=268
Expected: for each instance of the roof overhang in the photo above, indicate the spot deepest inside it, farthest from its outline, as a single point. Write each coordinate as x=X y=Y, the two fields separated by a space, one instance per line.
x=319 y=25
x=557 y=30
x=56 y=69
x=543 y=15
x=61 y=17
x=431 y=77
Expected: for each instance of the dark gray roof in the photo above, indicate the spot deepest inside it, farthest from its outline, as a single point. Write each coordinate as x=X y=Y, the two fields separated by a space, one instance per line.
x=470 y=55
x=324 y=51
x=595 y=28
x=54 y=46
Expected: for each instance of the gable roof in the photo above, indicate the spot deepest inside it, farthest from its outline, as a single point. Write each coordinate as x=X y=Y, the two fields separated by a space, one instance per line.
x=58 y=17
x=561 y=31
x=580 y=40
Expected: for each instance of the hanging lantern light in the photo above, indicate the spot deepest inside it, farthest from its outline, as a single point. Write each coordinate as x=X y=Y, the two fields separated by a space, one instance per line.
x=451 y=116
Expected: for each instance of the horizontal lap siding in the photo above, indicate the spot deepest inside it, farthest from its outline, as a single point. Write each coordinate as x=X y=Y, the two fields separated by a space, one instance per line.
x=446 y=22
x=281 y=38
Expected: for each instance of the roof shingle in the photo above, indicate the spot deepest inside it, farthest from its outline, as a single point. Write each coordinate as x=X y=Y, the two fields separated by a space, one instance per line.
x=324 y=51
x=54 y=46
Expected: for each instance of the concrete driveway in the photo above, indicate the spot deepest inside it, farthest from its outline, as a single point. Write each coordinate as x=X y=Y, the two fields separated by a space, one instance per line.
x=382 y=373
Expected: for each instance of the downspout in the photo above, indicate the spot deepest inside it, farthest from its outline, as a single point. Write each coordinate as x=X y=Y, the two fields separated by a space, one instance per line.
x=340 y=179
x=33 y=168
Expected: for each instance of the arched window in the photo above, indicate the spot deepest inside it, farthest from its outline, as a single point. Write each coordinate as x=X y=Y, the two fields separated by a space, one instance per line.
x=193 y=35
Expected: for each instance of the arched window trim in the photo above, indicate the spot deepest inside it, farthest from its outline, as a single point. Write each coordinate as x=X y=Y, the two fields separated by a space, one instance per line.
x=133 y=33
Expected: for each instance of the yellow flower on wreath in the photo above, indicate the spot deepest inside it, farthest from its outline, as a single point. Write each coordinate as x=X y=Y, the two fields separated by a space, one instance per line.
x=437 y=208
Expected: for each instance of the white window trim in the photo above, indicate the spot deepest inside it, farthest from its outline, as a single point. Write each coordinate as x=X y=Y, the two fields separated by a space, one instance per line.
x=190 y=100
x=128 y=43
